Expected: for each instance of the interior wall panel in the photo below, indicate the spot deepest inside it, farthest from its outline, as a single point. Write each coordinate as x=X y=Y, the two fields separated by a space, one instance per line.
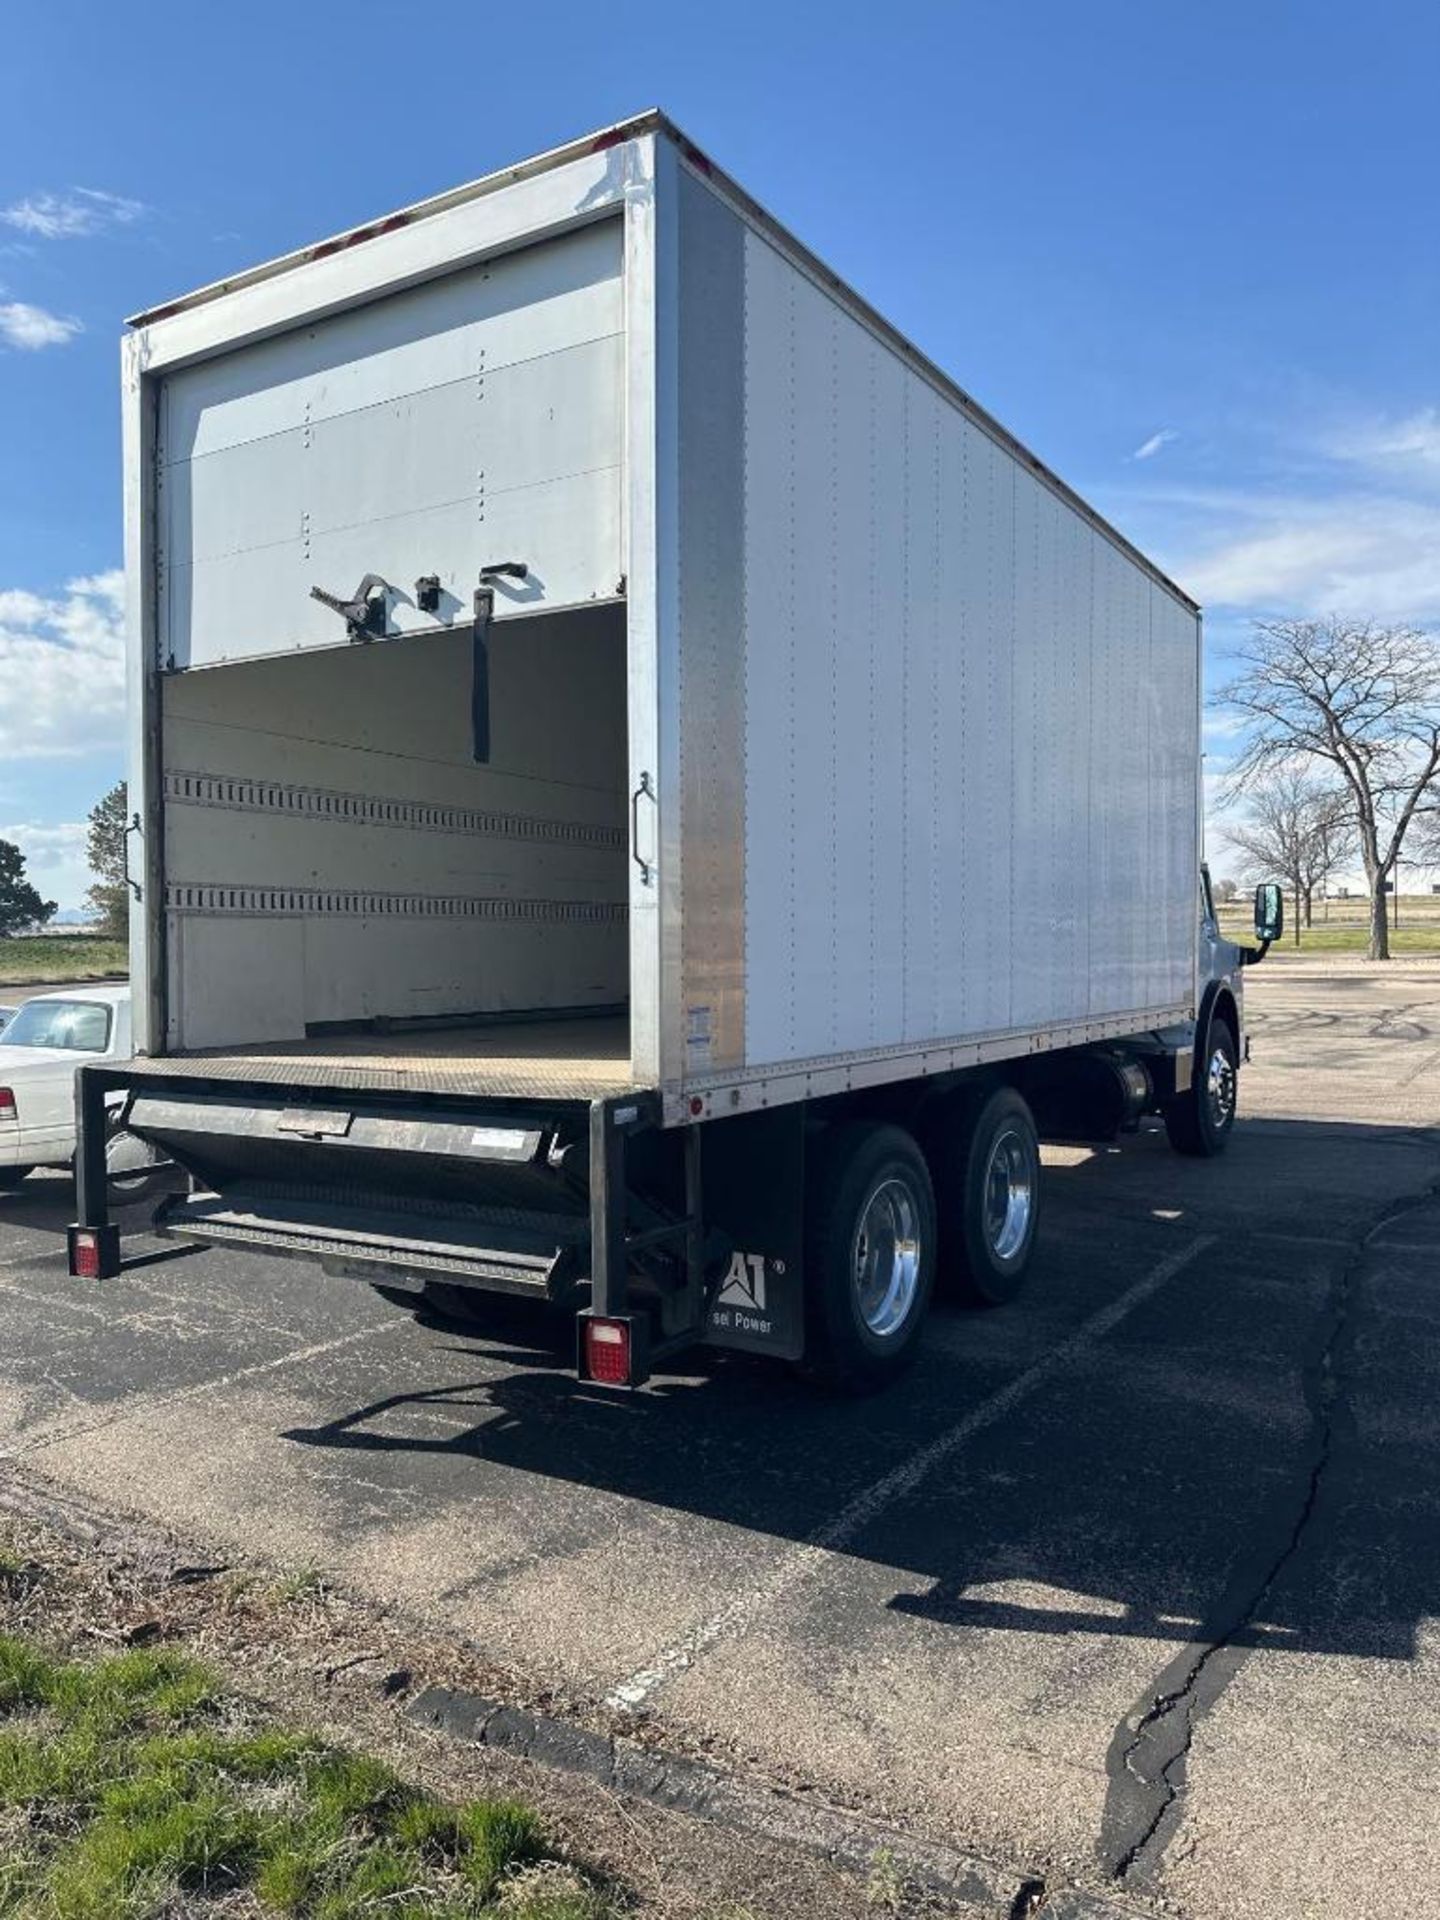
x=329 y=833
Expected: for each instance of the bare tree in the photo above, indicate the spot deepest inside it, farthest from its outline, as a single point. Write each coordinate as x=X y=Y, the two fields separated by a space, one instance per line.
x=1332 y=841
x=1295 y=829
x=1426 y=833
x=1365 y=700
x=1226 y=891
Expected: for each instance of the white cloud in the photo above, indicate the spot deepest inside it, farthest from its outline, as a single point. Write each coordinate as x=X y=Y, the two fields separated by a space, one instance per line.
x=1221 y=726
x=62 y=670
x=55 y=860
x=1411 y=441
x=73 y=215
x=1148 y=449
x=31 y=328
x=1363 y=554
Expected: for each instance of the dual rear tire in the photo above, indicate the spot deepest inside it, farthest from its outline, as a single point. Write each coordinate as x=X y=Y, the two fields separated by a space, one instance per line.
x=890 y=1224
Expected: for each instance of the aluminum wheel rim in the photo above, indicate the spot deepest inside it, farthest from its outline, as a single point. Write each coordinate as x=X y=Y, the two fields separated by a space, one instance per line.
x=1009 y=1194
x=124 y=1178
x=886 y=1256
x=1220 y=1088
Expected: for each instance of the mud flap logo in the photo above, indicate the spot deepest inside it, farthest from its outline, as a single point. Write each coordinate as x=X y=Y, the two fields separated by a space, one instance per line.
x=757 y=1307
x=745 y=1283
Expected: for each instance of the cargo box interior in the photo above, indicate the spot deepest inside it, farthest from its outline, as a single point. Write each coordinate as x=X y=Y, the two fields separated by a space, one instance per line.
x=348 y=886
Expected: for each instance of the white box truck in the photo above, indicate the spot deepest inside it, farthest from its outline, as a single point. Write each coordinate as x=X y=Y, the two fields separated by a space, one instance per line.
x=646 y=795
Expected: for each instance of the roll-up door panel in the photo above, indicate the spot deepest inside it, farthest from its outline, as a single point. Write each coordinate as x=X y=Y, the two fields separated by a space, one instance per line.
x=475 y=419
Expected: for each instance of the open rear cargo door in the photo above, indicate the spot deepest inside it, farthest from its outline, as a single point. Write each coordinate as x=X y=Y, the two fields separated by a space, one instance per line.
x=475 y=419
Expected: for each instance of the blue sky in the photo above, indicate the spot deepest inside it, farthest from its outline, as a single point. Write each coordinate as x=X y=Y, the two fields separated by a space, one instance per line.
x=1188 y=254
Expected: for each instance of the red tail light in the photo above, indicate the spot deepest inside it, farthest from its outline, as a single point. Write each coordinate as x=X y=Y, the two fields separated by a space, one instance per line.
x=85 y=1254
x=7 y=1104
x=607 y=1352
x=95 y=1252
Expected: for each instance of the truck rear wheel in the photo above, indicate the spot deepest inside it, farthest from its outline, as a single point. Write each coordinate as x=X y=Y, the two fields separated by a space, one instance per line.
x=12 y=1176
x=870 y=1256
x=1200 y=1120
x=133 y=1170
x=985 y=1158
x=476 y=1311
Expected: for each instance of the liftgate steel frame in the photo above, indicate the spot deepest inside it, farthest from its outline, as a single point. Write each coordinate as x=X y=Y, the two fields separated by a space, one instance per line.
x=612 y=1122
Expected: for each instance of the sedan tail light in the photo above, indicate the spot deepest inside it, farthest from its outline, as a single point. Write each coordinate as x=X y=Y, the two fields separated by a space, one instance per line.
x=7 y=1104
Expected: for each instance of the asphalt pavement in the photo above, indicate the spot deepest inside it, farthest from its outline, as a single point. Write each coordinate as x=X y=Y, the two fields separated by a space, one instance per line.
x=1134 y=1584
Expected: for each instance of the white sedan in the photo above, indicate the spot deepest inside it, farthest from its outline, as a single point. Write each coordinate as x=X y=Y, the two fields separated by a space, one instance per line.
x=41 y=1046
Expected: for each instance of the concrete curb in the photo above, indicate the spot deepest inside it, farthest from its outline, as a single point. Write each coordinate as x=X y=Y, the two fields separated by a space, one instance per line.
x=703 y=1792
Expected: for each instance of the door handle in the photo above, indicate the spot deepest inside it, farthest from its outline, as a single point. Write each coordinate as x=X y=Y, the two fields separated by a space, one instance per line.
x=646 y=792
x=134 y=827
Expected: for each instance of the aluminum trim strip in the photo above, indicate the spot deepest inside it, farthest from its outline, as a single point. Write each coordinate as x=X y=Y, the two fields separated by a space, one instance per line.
x=711 y=665
x=719 y=1095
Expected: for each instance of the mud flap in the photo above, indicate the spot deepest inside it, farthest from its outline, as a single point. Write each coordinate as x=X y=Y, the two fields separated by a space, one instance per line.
x=755 y=1196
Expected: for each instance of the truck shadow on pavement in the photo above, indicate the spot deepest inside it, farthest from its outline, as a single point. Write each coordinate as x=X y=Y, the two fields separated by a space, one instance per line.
x=1246 y=1461
x=1249 y=1458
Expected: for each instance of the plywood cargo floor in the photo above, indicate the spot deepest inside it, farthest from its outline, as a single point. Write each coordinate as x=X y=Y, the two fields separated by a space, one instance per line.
x=540 y=1059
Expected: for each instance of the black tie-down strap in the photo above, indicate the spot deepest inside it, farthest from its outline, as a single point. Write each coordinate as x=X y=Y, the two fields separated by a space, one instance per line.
x=480 y=658
x=480 y=674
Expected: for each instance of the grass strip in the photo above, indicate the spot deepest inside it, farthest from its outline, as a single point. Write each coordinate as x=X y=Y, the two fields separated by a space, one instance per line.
x=135 y=1786
x=55 y=958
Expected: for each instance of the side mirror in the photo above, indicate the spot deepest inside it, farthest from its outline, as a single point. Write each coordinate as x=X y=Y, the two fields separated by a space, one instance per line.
x=1269 y=913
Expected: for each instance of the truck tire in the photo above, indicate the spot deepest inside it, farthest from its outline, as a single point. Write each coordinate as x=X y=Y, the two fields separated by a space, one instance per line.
x=10 y=1177
x=869 y=1256
x=132 y=1172
x=475 y=1311
x=461 y=1306
x=985 y=1161
x=1200 y=1120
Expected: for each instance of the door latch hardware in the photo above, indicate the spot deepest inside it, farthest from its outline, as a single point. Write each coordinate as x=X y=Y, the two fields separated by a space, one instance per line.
x=364 y=613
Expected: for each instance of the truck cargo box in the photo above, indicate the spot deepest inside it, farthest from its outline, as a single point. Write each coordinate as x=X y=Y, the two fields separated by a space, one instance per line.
x=727 y=706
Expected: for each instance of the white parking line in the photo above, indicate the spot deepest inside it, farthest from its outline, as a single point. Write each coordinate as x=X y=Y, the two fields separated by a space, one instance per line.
x=143 y=1403
x=26 y=1259
x=738 y=1615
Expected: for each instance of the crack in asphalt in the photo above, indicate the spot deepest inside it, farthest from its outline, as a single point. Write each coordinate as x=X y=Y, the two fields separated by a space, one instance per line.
x=1148 y=1753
